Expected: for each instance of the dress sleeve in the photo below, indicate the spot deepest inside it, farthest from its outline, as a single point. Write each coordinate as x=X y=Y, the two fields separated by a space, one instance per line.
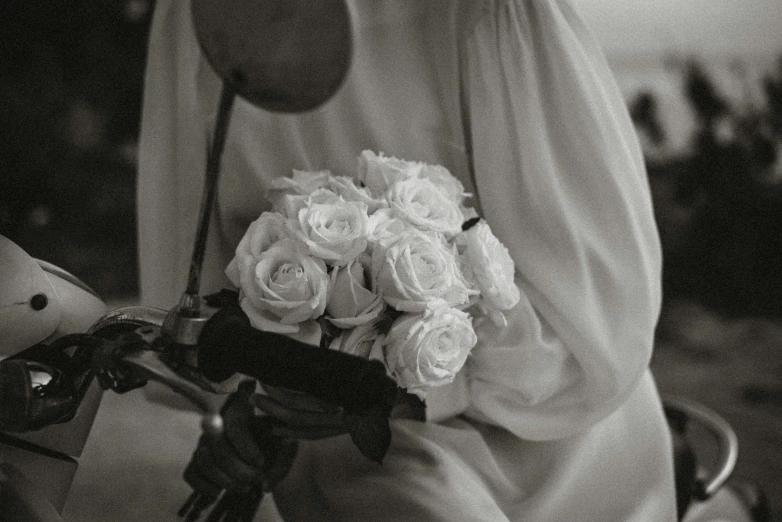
x=561 y=181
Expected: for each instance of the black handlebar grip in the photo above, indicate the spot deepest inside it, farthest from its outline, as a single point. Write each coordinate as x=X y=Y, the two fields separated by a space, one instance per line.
x=229 y=344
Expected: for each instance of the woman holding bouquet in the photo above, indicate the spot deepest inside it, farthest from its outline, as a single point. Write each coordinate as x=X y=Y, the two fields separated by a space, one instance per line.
x=554 y=417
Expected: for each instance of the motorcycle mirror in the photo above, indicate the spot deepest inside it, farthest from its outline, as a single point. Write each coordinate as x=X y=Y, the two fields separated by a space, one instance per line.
x=281 y=55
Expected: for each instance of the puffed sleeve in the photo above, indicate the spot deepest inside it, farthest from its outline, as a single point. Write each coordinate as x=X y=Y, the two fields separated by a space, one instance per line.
x=561 y=181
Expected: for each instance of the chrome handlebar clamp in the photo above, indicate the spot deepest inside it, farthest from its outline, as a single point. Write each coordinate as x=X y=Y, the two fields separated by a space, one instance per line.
x=149 y=351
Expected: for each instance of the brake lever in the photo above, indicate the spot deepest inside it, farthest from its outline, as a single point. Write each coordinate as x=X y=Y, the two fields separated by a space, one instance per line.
x=185 y=381
x=146 y=353
x=133 y=329
x=128 y=317
x=150 y=351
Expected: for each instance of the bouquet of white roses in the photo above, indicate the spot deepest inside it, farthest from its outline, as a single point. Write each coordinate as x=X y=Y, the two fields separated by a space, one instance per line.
x=391 y=265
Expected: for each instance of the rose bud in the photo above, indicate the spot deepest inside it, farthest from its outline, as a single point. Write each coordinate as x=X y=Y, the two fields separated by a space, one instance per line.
x=352 y=302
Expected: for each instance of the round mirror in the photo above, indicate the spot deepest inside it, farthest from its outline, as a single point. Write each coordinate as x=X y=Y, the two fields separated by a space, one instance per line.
x=280 y=55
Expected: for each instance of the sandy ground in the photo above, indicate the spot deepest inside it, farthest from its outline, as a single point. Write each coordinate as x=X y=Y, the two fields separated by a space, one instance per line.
x=132 y=465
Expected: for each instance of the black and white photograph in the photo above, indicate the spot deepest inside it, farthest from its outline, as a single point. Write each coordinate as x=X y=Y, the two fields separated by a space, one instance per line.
x=391 y=260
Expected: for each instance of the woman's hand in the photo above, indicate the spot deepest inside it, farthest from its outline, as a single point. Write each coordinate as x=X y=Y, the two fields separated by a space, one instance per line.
x=244 y=456
x=256 y=451
x=253 y=453
x=297 y=415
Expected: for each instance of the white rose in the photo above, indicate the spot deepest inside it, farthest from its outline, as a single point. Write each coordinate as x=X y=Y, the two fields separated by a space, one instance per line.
x=447 y=182
x=425 y=351
x=425 y=206
x=378 y=172
x=363 y=341
x=347 y=188
x=384 y=226
x=352 y=302
x=417 y=271
x=302 y=182
x=289 y=205
x=283 y=287
x=288 y=194
x=260 y=235
x=335 y=230
x=491 y=268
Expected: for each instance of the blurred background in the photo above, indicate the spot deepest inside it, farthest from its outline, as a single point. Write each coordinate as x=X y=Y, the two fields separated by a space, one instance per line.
x=703 y=82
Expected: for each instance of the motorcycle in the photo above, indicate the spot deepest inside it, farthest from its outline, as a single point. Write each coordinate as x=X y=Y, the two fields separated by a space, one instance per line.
x=60 y=347
x=55 y=341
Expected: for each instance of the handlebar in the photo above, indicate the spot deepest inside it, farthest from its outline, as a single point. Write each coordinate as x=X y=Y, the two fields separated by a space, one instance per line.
x=129 y=346
x=152 y=367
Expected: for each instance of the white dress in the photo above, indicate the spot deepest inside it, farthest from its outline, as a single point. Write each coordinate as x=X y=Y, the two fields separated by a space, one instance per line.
x=555 y=418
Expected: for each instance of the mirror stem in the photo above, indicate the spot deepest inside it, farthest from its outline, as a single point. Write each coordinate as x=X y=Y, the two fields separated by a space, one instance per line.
x=189 y=304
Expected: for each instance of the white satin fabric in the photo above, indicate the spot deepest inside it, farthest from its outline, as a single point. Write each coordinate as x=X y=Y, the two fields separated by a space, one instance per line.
x=555 y=418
